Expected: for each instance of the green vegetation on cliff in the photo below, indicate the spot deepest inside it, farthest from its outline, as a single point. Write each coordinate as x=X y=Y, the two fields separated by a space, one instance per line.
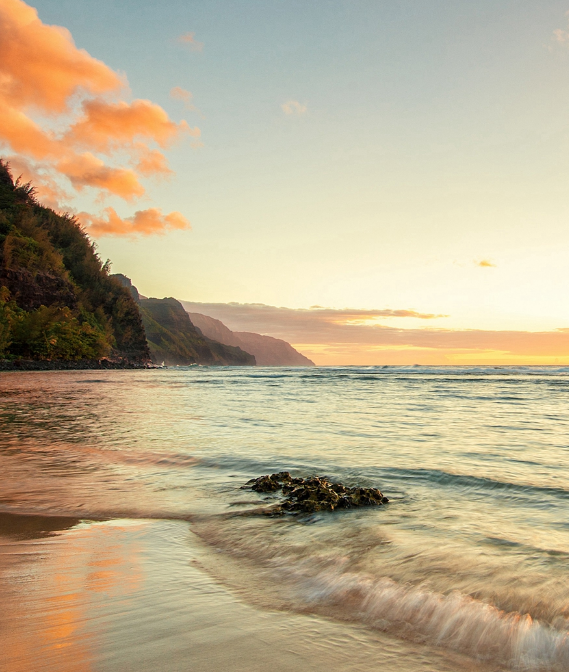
x=173 y=338
x=57 y=300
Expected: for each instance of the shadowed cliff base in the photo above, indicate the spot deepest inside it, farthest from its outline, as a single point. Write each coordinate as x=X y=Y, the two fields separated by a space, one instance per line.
x=71 y=364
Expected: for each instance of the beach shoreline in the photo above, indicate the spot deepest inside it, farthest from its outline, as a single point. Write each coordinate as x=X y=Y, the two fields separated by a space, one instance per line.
x=134 y=595
x=71 y=364
x=138 y=557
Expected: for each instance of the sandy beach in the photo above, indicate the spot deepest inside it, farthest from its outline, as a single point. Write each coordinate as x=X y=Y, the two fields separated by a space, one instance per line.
x=134 y=595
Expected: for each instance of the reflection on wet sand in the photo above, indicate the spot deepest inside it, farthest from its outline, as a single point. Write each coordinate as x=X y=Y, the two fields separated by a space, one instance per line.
x=129 y=595
x=54 y=586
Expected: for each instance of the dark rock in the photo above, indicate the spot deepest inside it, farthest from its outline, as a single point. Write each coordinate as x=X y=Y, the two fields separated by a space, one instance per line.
x=71 y=364
x=31 y=290
x=308 y=495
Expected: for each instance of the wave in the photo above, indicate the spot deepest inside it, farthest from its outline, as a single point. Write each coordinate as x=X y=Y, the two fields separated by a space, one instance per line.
x=469 y=482
x=381 y=371
x=287 y=567
x=454 y=621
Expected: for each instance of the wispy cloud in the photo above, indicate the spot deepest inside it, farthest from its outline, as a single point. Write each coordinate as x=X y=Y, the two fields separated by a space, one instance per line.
x=186 y=97
x=189 y=40
x=178 y=93
x=293 y=107
x=330 y=336
x=484 y=263
x=297 y=323
x=560 y=35
x=104 y=142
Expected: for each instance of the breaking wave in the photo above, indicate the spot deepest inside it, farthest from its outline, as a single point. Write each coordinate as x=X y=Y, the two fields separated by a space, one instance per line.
x=454 y=621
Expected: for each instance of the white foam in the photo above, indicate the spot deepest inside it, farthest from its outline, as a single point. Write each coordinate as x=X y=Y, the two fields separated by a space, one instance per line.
x=454 y=621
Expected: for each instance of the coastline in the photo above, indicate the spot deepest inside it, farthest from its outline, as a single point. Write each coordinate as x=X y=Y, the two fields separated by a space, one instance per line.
x=71 y=365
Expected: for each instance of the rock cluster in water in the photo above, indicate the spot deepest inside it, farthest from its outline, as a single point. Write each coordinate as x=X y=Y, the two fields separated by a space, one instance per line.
x=308 y=495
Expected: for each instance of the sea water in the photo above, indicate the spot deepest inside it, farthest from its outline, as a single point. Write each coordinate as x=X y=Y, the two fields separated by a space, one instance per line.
x=470 y=556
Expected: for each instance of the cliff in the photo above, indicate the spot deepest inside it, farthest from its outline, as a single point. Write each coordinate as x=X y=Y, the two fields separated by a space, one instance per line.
x=213 y=328
x=271 y=351
x=268 y=351
x=57 y=300
x=174 y=340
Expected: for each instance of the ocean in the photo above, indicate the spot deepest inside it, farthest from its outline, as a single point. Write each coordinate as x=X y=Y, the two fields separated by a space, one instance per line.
x=126 y=541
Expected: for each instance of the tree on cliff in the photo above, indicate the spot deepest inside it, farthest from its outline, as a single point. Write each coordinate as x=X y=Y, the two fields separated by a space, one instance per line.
x=57 y=300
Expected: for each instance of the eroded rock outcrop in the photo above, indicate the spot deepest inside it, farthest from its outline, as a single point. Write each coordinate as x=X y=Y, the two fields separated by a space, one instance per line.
x=308 y=495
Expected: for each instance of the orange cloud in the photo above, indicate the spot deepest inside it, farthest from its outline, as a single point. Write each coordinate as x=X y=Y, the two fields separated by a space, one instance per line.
x=42 y=72
x=293 y=107
x=24 y=135
x=188 y=39
x=153 y=163
x=106 y=125
x=86 y=170
x=41 y=66
x=484 y=263
x=143 y=223
x=298 y=324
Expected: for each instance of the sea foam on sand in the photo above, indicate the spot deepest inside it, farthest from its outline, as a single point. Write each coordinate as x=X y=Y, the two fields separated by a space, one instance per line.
x=132 y=595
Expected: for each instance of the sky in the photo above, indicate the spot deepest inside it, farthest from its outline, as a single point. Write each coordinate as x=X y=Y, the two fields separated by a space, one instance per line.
x=388 y=160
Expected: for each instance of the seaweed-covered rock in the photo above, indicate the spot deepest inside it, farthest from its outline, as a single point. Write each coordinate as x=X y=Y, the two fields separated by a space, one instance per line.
x=308 y=495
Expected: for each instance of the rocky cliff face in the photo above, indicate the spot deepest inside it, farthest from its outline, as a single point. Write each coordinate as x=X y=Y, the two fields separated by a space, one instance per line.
x=57 y=300
x=213 y=328
x=268 y=351
x=174 y=340
x=271 y=351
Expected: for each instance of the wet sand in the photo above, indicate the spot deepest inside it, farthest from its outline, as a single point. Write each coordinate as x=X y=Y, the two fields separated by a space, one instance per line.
x=134 y=595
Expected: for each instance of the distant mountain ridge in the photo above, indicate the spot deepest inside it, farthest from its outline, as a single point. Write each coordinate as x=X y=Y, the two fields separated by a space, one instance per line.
x=268 y=351
x=179 y=337
x=174 y=340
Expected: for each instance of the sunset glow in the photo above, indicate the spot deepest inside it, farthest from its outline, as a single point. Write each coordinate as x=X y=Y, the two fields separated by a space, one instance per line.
x=336 y=168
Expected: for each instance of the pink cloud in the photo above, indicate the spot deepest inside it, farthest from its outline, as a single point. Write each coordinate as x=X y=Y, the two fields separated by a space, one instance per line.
x=188 y=39
x=341 y=336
